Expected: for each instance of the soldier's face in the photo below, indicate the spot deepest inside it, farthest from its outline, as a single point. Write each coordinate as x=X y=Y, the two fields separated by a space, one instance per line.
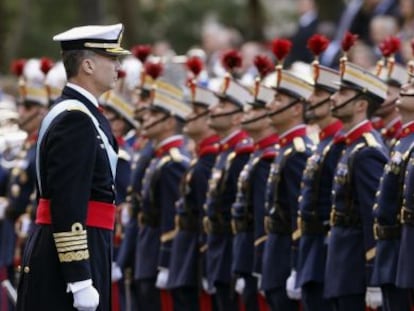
x=406 y=98
x=118 y=125
x=252 y=120
x=30 y=116
x=198 y=121
x=155 y=124
x=340 y=111
x=280 y=101
x=388 y=106
x=314 y=111
x=222 y=117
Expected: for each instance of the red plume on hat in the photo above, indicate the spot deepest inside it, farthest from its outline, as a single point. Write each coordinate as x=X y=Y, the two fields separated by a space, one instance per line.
x=46 y=64
x=388 y=47
x=154 y=70
x=264 y=66
x=317 y=44
x=280 y=48
x=347 y=43
x=17 y=67
x=195 y=65
x=230 y=60
x=141 y=51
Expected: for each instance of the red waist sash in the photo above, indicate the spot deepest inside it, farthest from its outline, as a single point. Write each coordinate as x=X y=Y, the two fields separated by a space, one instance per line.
x=99 y=215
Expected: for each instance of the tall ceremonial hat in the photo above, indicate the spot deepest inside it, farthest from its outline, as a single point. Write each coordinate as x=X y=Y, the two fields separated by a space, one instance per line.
x=55 y=81
x=285 y=81
x=232 y=90
x=357 y=78
x=199 y=95
x=119 y=99
x=262 y=93
x=387 y=68
x=101 y=39
x=170 y=100
x=323 y=77
x=31 y=74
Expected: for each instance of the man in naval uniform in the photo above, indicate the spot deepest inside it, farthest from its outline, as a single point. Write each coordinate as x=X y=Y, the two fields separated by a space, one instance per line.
x=388 y=203
x=315 y=199
x=160 y=191
x=286 y=111
x=351 y=246
x=67 y=259
x=186 y=264
x=249 y=208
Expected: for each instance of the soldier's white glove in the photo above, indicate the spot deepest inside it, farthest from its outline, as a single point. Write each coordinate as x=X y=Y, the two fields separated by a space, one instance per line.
x=116 y=273
x=3 y=205
x=292 y=291
x=240 y=286
x=85 y=296
x=162 y=278
x=373 y=297
x=209 y=290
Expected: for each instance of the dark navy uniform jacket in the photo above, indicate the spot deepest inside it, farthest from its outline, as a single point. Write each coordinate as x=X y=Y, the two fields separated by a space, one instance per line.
x=249 y=208
x=387 y=209
x=141 y=157
x=185 y=265
x=282 y=193
x=160 y=191
x=21 y=193
x=221 y=195
x=315 y=204
x=405 y=267
x=351 y=246
x=74 y=169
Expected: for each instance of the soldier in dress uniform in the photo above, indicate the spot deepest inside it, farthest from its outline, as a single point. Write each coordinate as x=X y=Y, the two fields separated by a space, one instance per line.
x=315 y=200
x=387 y=69
x=286 y=111
x=235 y=147
x=405 y=271
x=67 y=259
x=351 y=246
x=387 y=208
x=249 y=207
x=20 y=193
x=186 y=264
x=160 y=191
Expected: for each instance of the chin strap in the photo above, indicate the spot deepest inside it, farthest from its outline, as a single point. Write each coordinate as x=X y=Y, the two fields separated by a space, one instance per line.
x=224 y=114
x=157 y=122
x=198 y=116
x=294 y=102
x=265 y=115
x=346 y=102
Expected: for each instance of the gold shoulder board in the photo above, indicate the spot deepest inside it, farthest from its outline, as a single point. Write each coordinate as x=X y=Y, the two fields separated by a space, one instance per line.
x=299 y=144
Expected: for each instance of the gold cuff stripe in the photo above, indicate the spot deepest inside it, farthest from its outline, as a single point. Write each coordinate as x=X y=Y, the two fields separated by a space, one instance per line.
x=296 y=235
x=260 y=240
x=369 y=255
x=72 y=248
x=77 y=229
x=168 y=236
x=74 y=256
x=72 y=243
x=72 y=238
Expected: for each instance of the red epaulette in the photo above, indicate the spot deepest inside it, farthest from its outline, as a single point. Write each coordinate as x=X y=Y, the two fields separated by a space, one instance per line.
x=269 y=154
x=245 y=146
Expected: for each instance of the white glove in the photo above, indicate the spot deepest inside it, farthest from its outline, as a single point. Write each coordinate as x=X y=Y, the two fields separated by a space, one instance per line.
x=373 y=297
x=86 y=299
x=116 y=273
x=292 y=291
x=162 y=278
x=206 y=288
x=240 y=286
x=3 y=205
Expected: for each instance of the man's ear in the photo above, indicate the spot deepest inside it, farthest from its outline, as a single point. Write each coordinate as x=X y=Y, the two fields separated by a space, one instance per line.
x=88 y=66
